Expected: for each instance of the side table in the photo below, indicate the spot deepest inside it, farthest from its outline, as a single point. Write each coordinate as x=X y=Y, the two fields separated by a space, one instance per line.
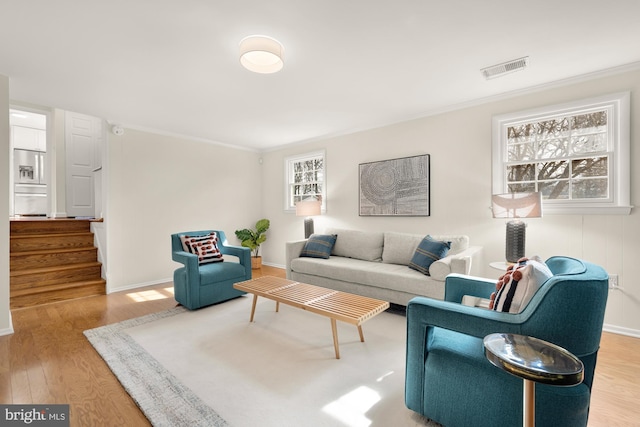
x=500 y=265
x=533 y=360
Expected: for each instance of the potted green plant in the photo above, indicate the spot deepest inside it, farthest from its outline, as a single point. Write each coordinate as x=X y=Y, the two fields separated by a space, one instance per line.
x=252 y=239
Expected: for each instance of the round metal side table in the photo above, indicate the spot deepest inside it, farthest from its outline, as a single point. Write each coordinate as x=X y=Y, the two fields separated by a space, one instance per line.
x=535 y=361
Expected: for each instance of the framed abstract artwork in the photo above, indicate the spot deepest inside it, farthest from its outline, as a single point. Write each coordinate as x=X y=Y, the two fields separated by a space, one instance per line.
x=396 y=187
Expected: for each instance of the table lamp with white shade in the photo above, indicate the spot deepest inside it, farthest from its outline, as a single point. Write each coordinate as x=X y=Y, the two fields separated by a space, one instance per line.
x=308 y=209
x=516 y=206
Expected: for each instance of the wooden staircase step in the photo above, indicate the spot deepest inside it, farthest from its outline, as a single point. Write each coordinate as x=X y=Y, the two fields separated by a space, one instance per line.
x=25 y=279
x=48 y=226
x=55 y=293
x=42 y=259
x=52 y=260
x=35 y=242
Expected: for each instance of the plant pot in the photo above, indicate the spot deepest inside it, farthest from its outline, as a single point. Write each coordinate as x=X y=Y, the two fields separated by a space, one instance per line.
x=256 y=262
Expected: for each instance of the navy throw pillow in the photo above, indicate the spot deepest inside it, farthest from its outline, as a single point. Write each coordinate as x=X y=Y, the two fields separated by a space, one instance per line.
x=427 y=252
x=319 y=246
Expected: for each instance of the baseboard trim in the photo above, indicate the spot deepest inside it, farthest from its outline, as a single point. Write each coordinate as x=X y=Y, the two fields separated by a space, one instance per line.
x=9 y=330
x=168 y=280
x=271 y=264
x=621 y=331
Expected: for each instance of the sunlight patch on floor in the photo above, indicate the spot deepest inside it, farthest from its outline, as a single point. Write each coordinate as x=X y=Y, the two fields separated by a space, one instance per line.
x=351 y=407
x=147 y=295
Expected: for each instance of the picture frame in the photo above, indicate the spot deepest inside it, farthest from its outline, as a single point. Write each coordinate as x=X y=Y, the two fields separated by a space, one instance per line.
x=395 y=187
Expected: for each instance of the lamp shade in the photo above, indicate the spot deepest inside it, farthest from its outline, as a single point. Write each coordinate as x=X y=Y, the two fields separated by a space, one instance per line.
x=308 y=207
x=517 y=205
x=261 y=54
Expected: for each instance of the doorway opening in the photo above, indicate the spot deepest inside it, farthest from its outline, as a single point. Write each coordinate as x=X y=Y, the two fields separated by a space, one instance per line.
x=29 y=181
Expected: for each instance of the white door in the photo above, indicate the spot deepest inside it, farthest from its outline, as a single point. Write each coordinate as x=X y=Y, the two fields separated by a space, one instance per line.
x=82 y=134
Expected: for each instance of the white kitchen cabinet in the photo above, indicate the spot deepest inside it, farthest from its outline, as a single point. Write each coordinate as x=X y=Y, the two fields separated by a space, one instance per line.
x=27 y=138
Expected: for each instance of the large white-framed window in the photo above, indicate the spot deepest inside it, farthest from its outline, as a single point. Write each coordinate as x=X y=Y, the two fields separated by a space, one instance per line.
x=305 y=179
x=575 y=154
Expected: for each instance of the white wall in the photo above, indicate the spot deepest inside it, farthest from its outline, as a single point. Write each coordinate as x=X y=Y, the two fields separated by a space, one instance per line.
x=459 y=143
x=5 y=314
x=158 y=185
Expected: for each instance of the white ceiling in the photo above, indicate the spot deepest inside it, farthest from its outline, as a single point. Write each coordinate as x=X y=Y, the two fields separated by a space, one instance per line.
x=172 y=66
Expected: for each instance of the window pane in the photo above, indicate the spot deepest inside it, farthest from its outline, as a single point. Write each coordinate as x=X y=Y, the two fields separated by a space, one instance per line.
x=526 y=172
x=589 y=123
x=554 y=190
x=522 y=188
x=553 y=170
x=590 y=188
x=520 y=152
x=591 y=167
x=553 y=149
x=589 y=143
x=523 y=133
x=554 y=128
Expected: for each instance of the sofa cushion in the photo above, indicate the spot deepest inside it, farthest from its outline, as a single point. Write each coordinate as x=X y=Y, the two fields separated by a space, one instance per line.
x=459 y=242
x=205 y=247
x=318 y=246
x=428 y=251
x=377 y=274
x=519 y=284
x=400 y=247
x=364 y=245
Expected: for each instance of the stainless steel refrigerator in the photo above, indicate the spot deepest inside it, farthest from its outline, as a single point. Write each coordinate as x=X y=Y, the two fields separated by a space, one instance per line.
x=30 y=186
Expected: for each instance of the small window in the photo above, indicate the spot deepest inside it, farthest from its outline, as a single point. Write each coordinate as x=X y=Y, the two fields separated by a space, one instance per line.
x=576 y=155
x=304 y=179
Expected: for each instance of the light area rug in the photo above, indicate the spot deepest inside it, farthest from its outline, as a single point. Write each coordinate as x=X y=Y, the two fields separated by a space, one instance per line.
x=211 y=367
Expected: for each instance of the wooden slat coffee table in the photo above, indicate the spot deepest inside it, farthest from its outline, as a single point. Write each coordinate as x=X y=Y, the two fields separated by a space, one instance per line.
x=336 y=305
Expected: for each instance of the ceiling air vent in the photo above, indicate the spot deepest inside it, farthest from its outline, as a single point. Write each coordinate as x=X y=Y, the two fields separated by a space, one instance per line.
x=505 y=68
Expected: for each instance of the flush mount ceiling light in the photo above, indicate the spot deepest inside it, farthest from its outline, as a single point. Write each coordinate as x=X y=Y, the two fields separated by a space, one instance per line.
x=261 y=54
x=505 y=68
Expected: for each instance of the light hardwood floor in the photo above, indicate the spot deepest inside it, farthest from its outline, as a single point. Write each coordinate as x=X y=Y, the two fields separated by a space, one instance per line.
x=48 y=360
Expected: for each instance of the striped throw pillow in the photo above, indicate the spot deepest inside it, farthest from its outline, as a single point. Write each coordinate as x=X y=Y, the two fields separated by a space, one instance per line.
x=319 y=246
x=519 y=284
x=428 y=251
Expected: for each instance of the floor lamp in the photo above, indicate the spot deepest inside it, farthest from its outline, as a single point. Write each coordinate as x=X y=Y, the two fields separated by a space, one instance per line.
x=308 y=209
x=515 y=206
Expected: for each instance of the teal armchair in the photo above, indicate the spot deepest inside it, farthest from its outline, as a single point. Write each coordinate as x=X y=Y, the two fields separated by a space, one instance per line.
x=195 y=285
x=448 y=378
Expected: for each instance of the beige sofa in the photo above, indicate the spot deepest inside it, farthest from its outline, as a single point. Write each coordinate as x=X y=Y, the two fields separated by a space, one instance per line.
x=375 y=264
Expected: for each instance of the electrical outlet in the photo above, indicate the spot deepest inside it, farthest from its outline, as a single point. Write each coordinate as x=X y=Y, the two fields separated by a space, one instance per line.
x=613 y=281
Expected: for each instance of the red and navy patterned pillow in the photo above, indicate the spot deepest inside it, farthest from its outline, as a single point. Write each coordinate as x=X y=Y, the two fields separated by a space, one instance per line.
x=204 y=247
x=519 y=284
